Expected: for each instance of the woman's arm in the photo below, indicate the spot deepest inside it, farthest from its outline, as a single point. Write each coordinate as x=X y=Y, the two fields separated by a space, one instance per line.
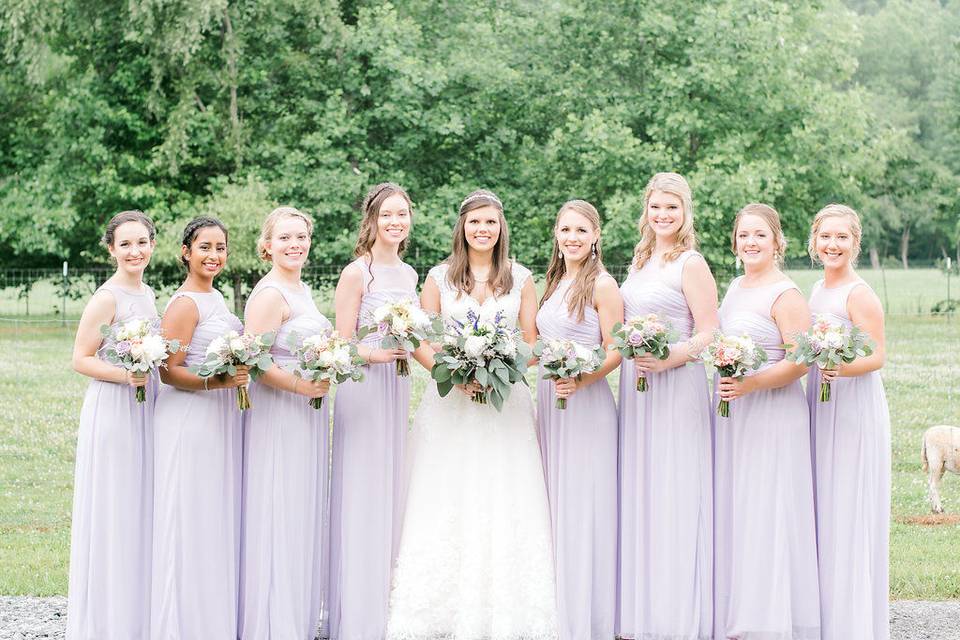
x=98 y=312
x=866 y=312
x=792 y=316
x=265 y=313
x=609 y=306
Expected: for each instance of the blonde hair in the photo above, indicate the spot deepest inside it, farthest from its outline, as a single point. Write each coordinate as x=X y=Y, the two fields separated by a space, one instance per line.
x=459 y=276
x=835 y=211
x=674 y=184
x=580 y=293
x=266 y=230
x=772 y=218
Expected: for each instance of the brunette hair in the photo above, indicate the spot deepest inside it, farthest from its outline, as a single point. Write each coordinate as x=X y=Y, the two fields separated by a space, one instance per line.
x=674 y=184
x=193 y=228
x=580 y=293
x=835 y=211
x=369 y=222
x=266 y=230
x=134 y=215
x=458 y=275
x=772 y=218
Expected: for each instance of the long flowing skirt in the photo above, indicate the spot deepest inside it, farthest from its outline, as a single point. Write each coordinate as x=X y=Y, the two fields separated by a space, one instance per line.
x=109 y=592
x=283 y=533
x=666 y=506
x=851 y=436
x=475 y=557
x=579 y=449
x=766 y=551
x=196 y=539
x=369 y=432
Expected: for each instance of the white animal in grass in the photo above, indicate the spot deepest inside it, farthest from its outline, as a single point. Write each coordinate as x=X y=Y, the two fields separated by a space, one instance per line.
x=941 y=451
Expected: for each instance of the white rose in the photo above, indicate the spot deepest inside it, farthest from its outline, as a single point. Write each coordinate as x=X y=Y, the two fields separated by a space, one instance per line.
x=582 y=352
x=509 y=347
x=342 y=357
x=154 y=347
x=236 y=344
x=136 y=350
x=326 y=359
x=418 y=317
x=216 y=345
x=399 y=326
x=474 y=346
x=380 y=313
x=834 y=340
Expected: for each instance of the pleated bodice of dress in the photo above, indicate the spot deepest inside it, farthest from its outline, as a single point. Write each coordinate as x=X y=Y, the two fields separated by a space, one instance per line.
x=305 y=319
x=657 y=288
x=556 y=322
x=129 y=306
x=747 y=310
x=383 y=284
x=215 y=320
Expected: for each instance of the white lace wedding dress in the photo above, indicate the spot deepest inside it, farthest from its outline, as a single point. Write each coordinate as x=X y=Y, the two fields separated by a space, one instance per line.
x=475 y=558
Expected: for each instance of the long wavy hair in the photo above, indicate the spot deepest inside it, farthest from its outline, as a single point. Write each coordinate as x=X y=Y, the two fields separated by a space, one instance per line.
x=369 y=222
x=674 y=184
x=459 y=275
x=580 y=294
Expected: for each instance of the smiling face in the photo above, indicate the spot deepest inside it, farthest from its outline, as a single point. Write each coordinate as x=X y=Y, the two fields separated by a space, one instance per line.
x=575 y=235
x=207 y=254
x=756 y=242
x=481 y=228
x=835 y=244
x=289 y=243
x=393 y=220
x=132 y=247
x=665 y=215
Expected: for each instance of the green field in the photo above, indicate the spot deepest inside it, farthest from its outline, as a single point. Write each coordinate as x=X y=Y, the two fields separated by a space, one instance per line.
x=40 y=400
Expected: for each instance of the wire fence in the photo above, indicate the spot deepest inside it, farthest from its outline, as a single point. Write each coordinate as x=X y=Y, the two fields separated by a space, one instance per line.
x=51 y=297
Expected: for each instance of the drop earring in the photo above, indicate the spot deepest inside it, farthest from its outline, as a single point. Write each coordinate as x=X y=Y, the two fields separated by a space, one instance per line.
x=593 y=251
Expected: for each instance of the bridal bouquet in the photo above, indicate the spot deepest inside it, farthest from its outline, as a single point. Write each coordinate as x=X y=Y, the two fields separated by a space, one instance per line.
x=488 y=353
x=732 y=357
x=226 y=352
x=138 y=346
x=829 y=344
x=326 y=356
x=567 y=359
x=402 y=325
x=641 y=335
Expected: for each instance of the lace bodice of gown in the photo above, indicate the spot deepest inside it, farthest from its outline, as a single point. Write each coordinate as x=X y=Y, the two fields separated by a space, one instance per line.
x=454 y=304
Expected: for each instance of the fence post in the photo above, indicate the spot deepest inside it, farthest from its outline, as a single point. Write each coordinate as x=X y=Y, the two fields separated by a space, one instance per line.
x=949 y=299
x=886 y=302
x=63 y=299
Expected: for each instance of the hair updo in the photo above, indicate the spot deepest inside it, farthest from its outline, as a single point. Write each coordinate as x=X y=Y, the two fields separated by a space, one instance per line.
x=134 y=215
x=193 y=228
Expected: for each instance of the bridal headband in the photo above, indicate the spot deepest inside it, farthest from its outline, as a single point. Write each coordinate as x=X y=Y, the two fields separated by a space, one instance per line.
x=481 y=196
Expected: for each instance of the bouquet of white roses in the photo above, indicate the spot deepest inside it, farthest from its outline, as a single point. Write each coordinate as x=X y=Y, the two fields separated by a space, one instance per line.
x=402 y=325
x=326 y=356
x=732 y=357
x=226 y=352
x=488 y=353
x=641 y=335
x=567 y=359
x=829 y=344
x=139 y=346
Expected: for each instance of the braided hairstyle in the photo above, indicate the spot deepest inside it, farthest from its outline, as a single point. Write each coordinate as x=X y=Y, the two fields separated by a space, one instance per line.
x=193 y=228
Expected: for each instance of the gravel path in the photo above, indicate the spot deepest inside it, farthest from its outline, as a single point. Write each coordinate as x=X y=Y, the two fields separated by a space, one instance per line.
x=27 y=618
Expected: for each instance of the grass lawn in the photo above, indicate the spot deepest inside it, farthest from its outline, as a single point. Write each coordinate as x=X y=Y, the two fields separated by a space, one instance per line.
x=40 y=399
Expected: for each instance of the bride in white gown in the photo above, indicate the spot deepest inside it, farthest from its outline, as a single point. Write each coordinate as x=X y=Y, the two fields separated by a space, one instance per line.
x=475 y=558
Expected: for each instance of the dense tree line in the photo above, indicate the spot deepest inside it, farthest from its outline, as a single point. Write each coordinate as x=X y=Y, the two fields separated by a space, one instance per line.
x=228 y=107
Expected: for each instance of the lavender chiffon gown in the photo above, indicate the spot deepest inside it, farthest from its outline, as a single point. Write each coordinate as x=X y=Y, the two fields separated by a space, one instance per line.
x=109 y=589
x=370 y=420
x=851 y=436
x=766 y=552
x=197 y=455
x=285 y=494
x=579 y=449
x=665 y=583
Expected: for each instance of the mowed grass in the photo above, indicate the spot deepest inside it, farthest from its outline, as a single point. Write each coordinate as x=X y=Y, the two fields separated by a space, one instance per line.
x=40 y=399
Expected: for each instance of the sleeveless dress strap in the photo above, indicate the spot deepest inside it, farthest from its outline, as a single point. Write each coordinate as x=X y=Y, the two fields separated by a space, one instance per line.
x=777 y=290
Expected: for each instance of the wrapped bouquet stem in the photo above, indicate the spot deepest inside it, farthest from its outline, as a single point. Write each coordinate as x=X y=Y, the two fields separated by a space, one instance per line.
x=567 y=359
x=139 y=347
x=732 y=357
x=827 y=345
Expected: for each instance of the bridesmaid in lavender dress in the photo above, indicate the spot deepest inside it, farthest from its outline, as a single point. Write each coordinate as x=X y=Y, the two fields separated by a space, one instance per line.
x=369 y=426
x=197 y=457
x=285 y=452
x=109 y=592
x=851 y=436
x=579 y=444
x=666 y=489
x=765 y=544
